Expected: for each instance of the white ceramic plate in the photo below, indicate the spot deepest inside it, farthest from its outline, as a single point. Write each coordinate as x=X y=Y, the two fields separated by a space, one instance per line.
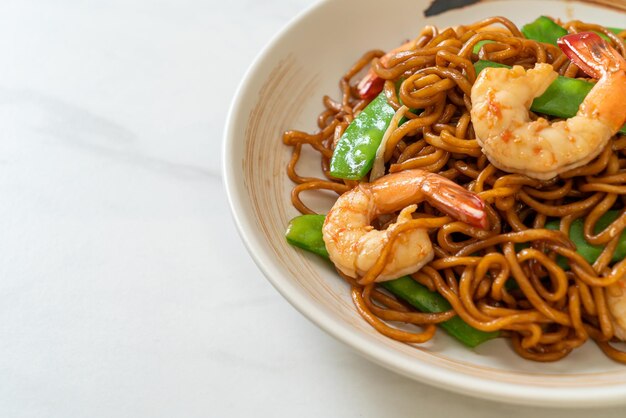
x=283 y=90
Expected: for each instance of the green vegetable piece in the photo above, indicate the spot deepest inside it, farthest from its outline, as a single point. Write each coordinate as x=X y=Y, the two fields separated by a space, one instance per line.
x=305 y=231
x=562 y=98
x=426 y=301
x=480 y=44
x=553 y=102
x=482 y=64
x=543 y=29
x=588 y=251
x=614 y=30
x=355 y=152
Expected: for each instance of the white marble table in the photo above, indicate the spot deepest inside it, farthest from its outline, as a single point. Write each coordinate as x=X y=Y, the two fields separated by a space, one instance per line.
x=125 y=290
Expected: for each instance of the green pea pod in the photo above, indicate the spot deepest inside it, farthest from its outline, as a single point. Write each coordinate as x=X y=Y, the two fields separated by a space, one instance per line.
x=591 y=252
x=424 y=300
x=355 y=152
x=306 y=232
x=562 y=98
x=614 y=30
x=544 y=29
x=480 y=44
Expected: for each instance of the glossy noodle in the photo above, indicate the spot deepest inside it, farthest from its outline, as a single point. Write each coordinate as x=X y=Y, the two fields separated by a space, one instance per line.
x=517 y=276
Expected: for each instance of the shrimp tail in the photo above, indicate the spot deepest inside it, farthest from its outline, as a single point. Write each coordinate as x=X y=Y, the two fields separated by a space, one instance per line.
x=600 y=60
x=591 y=53
x=401 y=189
x=456 y=201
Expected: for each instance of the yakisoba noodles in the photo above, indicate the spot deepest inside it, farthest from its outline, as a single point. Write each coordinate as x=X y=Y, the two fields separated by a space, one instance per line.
x=515 y=276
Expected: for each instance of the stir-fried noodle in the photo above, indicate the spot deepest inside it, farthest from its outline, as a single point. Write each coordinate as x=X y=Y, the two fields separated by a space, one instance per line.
x=556 y=300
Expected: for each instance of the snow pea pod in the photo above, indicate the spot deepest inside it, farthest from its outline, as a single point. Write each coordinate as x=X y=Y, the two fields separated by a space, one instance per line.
x=355 y=151
x=588 y=251
x=544 y=29
x=305 y=231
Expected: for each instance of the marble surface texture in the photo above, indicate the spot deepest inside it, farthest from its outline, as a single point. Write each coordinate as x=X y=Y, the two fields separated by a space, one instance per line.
x=125 y=290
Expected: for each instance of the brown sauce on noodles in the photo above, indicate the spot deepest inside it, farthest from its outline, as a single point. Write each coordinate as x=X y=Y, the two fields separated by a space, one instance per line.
x=551 y=311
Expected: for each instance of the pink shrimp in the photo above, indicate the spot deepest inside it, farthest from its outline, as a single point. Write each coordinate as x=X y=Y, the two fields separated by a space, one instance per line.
x=513 y=142
x=354 y=245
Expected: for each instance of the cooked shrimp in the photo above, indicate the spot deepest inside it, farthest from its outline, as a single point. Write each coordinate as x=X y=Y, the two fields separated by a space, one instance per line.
x=616 y=302
x=354 y=245
x=501 y=98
